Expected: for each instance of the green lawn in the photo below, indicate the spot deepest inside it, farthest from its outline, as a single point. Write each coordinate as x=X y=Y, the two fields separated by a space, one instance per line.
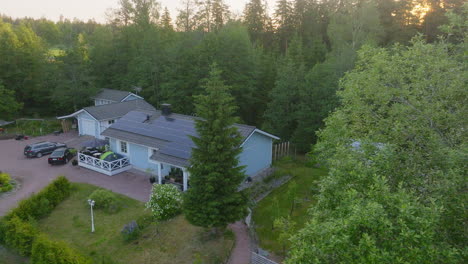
x=173 y=241
x=306 y=179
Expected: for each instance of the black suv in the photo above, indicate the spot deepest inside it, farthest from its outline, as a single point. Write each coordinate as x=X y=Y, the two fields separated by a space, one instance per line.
x=41 y=148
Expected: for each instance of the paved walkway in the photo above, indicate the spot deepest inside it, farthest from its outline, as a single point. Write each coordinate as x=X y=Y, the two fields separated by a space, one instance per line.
x=36 y=173
x=241 y=252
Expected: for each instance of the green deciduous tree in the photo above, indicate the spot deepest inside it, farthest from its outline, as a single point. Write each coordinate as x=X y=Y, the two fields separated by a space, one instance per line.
x=9 y=107
x=213 y=200
x=74 y=85
x=395 y=149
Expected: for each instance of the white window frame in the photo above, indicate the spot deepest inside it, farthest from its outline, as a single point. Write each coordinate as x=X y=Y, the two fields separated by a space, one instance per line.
x=110 y=122
x=120 y=147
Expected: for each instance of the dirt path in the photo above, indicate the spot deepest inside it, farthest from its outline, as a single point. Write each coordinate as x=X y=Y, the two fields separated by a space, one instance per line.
x=241 y=252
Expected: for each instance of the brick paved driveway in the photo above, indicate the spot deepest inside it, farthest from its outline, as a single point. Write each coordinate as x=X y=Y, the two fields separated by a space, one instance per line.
x=36 y=173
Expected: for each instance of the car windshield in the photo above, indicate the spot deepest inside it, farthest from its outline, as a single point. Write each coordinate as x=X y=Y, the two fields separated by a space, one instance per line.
x=57 y=153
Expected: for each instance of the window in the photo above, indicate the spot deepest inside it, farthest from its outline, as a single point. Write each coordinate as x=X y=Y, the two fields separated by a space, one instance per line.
x=123 y=147
x=111 y=122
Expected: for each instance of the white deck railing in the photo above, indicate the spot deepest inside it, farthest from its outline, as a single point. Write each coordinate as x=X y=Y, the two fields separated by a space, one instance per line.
x=103 y=166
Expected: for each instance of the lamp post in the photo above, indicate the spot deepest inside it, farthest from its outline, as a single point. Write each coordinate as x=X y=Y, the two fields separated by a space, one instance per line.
x=91 y=203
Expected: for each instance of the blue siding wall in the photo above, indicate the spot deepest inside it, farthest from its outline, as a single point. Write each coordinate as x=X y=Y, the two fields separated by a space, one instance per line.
x=138 y=155
x=113 y=144
x=256 y=154
x=131 y=97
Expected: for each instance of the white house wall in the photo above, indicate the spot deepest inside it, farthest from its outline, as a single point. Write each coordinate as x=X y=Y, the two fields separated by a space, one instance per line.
x=85 y=116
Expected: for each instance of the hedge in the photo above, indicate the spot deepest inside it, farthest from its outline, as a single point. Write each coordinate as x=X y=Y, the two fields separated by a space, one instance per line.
x=46 y=251
x=5 y=182
x=19 y=235
x=17 y=232
x=41 y=204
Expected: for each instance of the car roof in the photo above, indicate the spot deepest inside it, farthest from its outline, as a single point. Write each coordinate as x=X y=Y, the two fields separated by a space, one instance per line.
x=37 y=143
x=42 y=142
x=60 y=149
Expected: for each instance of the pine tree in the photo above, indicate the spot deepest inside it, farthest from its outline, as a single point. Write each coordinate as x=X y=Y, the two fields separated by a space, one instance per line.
x=213 y=200
x=281 y=113
x=185 y=19
x=166 y=21
x=220 y=14
x=256 y=19
x=284 y=21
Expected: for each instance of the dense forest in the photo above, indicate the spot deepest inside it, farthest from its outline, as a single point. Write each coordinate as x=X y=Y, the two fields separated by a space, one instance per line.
x=283 y=65
x=378 y=87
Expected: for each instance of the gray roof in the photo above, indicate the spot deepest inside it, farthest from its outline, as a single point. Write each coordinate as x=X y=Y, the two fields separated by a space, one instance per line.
x=112 y=95
x=116 y=110
x=170 y=135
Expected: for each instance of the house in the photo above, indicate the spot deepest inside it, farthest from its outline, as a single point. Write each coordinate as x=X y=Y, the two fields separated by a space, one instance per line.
x=109 y=106
x=159 y=141
x=109 y=96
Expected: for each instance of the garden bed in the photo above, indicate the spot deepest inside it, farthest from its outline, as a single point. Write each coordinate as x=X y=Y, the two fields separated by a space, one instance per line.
x=172 y=241
x=278 y=204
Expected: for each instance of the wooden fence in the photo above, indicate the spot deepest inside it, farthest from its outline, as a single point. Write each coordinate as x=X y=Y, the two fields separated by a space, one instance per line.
x=283 y=149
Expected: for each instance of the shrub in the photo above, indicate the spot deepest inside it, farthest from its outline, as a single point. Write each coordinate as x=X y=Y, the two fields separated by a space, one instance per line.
x=5 y=182
x=144 y=220
x=45 y=251
x=131 y=231
x=105 y=200
x=165 y=201
x=42 y=203
x=19 y=235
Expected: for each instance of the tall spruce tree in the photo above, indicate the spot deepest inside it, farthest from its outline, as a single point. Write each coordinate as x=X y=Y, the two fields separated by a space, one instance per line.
x=213 y=200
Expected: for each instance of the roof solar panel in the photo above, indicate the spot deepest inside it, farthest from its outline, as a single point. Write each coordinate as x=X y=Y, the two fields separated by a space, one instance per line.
x=175 y=131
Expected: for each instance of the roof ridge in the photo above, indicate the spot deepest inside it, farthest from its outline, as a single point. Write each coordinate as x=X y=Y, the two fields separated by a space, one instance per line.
x=114 y=103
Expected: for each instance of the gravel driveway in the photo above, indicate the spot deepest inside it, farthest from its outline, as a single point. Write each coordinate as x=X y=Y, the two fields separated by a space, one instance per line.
x=35 y=173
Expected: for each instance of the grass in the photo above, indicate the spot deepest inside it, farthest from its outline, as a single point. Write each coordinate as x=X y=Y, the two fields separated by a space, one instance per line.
x=277 y=204
x=173 y=241
x=33 y=128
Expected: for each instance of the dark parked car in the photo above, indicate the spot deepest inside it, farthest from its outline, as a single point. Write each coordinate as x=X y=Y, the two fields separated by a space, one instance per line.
x=60 y=156
x=42 y=148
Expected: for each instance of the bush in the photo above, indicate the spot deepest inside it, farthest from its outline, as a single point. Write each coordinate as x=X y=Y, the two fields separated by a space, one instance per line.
x=105 y=200
x=144 y=220
x=45 y=251
x=5 y=182
x=131 y=231
x=165 y=201
x=42 y=203
x=19 y=235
